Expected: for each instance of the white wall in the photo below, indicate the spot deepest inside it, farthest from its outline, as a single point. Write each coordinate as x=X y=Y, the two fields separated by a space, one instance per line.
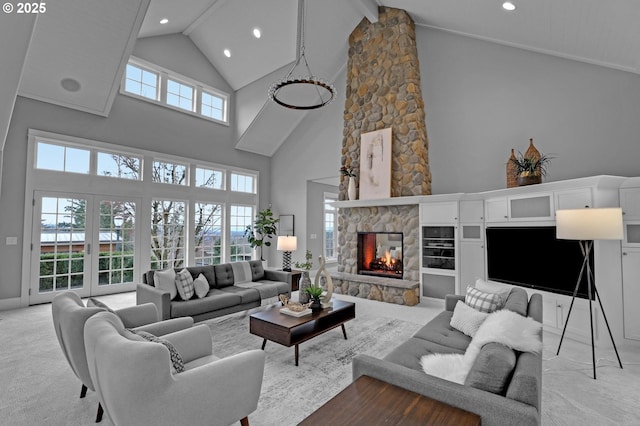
x=312 y=151
x=132 y=122
x=482 y=99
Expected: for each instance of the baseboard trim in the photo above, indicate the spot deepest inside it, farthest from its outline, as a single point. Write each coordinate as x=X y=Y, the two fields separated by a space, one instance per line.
x=6 y=304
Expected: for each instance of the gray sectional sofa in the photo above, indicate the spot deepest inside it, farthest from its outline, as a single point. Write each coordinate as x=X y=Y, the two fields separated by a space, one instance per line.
x=224 y=297
x=517 y=404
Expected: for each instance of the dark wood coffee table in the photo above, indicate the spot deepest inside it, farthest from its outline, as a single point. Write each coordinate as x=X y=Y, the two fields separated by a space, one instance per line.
x=291 y=331
x=369 y=401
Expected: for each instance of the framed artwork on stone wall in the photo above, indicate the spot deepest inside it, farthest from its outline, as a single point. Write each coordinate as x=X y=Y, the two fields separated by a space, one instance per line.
x=375 y=164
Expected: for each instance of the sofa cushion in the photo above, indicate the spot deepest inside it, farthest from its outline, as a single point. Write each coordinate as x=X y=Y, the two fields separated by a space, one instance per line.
x=409 y=353
x=166 y=280
x=247 y=295
x=207 y=271
x=492 y=369
x=257 y=271
x=525 y=383
x=481 y=301
x=439 y=331
x=518 y=301
x=184 y=284
x=201 y=286
x=466 y=319
x=224 y=275
x=241 y=272
x=216 y=299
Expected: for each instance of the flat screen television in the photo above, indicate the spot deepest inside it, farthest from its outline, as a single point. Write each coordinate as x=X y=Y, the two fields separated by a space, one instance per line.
x=532 y=257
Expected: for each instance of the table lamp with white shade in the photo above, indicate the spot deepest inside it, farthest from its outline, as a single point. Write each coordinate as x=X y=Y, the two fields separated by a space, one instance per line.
x=287 y=244
x=587 y=225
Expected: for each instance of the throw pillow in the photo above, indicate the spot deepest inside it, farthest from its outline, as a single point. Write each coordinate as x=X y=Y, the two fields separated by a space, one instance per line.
x=466 y=319
x=176 y=359
x=98 y=304
x=481 y=301
x=201 y=286
x=500 y=289
x=184 y=284
x=492 y=369
x=241 y=272
x=166 y=280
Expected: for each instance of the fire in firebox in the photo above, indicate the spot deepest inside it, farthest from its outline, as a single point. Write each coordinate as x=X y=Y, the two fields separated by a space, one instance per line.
x=380 y=253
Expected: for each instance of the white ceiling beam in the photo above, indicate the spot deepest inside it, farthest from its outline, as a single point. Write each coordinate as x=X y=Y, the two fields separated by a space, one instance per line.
x=369 y=8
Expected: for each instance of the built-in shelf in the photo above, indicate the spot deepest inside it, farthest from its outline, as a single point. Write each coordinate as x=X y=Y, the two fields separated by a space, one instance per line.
x=396 y=201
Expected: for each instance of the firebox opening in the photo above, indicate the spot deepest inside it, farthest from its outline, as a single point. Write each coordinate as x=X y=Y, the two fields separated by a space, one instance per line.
x=380 y=253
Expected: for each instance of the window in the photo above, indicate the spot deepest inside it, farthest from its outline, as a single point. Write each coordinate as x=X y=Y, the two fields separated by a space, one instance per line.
x=118 y=165
x=62 y=158
x=242 y=183
x=209 y=178
x=179 y=95
x=208 y=234
x=241 y=217
x=167 y=234
x=141 y=82
x=173 y=173
x=155 y=84
x=212 y=106
x=330 y=226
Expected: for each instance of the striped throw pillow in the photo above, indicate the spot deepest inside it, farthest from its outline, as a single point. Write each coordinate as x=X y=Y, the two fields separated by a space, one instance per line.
x=481 y=301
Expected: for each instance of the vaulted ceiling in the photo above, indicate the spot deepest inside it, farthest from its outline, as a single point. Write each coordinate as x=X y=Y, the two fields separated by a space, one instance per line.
x=86 y=44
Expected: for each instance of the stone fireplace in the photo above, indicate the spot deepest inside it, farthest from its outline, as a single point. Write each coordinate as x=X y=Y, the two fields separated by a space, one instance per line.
x=383 y=90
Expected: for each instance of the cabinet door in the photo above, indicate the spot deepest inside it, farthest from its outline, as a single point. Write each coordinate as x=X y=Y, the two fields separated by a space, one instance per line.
x=471 y=264
x=631 y=293
x=496 y=209
x=537 y=207
x=573 y=199
x=630 y=203
x=439 y=213
x=471 y=211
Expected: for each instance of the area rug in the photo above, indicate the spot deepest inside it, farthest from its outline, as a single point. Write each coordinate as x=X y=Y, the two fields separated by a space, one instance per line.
x=290 y=393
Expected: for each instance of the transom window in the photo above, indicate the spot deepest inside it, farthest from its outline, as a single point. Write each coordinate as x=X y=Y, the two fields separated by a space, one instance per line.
x=152 y=83
x=141 y=82
x=173 y=173
x=119 y=165
x=62 y=158
x=179 y=95
x=243 y=183
x=209 y=178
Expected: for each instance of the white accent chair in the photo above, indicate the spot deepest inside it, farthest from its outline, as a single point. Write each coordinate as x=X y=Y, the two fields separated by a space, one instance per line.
x=136 y=385
x=69 y=317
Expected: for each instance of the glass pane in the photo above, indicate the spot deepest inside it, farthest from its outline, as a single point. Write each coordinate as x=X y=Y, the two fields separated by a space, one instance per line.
x=116 y=165
x=117 y=238
x=50 y=157
x=175 y=174
x=208 y=234
x=167 y=234
x=77 y=160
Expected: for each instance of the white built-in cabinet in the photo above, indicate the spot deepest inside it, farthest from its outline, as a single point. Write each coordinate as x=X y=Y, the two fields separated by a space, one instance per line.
x=630 y=204
x=472 y=246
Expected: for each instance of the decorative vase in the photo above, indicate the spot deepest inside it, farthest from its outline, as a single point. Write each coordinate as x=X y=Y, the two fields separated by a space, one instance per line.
x=351 y=189
x=532 y=151
x=511 y=171
x=305 y=282
x=316 y=305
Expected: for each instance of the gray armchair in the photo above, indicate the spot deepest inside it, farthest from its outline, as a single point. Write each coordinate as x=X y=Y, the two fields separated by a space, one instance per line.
x=69 y=317
x=136 y=385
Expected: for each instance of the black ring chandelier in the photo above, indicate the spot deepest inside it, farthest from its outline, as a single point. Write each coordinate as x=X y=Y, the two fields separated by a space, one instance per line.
x=302 y=81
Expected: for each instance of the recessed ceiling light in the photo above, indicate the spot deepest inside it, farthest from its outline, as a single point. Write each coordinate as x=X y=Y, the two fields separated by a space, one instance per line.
x=164 y=21
x=257 y=33
x=227 y=53
x=507 y=5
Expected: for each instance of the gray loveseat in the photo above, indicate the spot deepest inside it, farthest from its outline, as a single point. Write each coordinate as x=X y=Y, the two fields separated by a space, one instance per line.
x=224 y=297
x=520 y=401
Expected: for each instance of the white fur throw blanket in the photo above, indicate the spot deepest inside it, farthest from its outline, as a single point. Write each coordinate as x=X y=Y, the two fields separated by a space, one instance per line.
x=503 y=326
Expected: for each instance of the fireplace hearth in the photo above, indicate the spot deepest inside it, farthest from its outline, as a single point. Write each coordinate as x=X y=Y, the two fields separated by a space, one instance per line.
x=380 y=254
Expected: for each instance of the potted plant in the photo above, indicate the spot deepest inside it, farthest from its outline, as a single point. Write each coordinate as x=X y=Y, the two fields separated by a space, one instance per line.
x=263 y=229
x=530 y=169
x=315 y=293
x=305 y=281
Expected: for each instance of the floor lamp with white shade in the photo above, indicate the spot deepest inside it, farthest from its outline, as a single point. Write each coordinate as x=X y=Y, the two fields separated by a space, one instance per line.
x=586 y=225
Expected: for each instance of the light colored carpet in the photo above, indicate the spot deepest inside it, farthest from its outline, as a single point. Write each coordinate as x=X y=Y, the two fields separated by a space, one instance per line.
x=37 y=387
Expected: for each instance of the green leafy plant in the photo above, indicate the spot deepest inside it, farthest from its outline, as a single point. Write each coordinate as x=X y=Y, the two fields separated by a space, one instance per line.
x=306 y=265
x=314 y=292
x=530 y=166
x=264 y=228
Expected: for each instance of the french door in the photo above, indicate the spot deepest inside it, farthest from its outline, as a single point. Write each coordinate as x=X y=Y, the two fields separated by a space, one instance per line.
x=83 y=242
